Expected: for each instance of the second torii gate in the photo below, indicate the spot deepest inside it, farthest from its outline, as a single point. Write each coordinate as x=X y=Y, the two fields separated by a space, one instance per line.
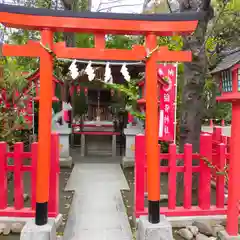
x=49 y=21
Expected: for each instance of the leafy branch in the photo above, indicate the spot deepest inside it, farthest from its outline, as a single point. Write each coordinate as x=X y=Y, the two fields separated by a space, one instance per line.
x=131 y=93
x=218 y=171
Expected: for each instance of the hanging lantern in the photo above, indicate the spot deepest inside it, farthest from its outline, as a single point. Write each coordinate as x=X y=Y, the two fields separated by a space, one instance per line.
x=86 y=91
x=78 y=90
x=17 y=94
x=71 y=90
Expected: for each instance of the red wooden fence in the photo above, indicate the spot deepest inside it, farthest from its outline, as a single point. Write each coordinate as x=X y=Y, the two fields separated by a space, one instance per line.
x=18 y=168
x=217 y=138
x=204 y=207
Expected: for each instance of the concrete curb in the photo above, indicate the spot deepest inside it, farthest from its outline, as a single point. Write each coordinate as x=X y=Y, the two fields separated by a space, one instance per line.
x=180 y=222
x=12 y=220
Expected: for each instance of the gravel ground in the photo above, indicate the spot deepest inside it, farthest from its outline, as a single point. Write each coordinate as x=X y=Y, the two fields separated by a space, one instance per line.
x=65 y=199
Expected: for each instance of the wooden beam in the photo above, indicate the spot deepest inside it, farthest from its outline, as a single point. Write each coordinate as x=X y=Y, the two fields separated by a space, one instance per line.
x=31 y=49
x=137 y=53
x=99 y=41
x=164 y=55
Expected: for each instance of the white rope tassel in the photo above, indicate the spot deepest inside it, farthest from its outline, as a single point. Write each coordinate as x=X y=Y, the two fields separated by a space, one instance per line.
x=108 y=74
x=73 y=70
x=125 y=73
x=90 y=72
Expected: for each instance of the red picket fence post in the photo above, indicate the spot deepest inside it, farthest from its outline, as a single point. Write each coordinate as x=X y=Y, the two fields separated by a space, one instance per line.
x=187 y=200
x=3 y=175
x=223 y=123
x=18 y=176
x=54 y=176
x=34 y=151
x=139 y=173
x=220 y=181
x=211 y=123
x=204 y=197
x=18 y=168
x=217 y=134
x=172 y=176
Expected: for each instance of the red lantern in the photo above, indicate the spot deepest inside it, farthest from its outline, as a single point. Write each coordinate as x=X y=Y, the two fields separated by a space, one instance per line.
x=17 y=94
x=71 y=90
x=78 y=90
x=86 y=91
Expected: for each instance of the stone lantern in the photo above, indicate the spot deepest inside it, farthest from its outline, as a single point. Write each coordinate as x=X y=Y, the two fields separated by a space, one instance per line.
x=227 y=74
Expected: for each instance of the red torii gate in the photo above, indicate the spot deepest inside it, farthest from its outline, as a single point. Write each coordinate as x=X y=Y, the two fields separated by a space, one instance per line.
x=49 y=21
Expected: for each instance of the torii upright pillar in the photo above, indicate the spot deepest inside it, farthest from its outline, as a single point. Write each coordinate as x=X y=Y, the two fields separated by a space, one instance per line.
x=152 y=149
x=44 y=135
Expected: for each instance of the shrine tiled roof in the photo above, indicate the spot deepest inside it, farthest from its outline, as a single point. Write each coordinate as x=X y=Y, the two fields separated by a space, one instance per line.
x=227 y=62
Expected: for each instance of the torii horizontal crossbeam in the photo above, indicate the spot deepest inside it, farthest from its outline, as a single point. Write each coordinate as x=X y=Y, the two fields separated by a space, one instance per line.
x=138 y=53
x=109 y=23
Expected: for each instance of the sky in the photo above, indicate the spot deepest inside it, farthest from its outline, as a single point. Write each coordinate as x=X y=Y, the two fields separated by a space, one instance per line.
x=120 y=6
x=127 y=6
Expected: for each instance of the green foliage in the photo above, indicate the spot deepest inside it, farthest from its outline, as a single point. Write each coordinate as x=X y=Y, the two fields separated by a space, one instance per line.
x=120 y=41
x=174 y=43
x=130 y=92
x=84 y=40
x=215 y=168
x=12 y=123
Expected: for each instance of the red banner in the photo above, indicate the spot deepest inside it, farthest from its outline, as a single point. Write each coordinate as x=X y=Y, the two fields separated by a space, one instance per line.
x=168 y=74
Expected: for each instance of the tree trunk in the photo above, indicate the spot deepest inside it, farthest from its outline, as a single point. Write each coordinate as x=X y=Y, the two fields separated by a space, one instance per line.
x=192 y=107
x=192 y=101
x=194 y=77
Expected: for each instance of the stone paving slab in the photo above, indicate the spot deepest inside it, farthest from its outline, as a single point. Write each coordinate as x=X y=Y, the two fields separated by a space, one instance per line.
x=114 y=203
x=94 y=175
x=97 y=211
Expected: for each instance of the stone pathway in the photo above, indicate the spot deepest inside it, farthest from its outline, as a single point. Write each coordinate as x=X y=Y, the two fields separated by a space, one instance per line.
x=97 y=211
